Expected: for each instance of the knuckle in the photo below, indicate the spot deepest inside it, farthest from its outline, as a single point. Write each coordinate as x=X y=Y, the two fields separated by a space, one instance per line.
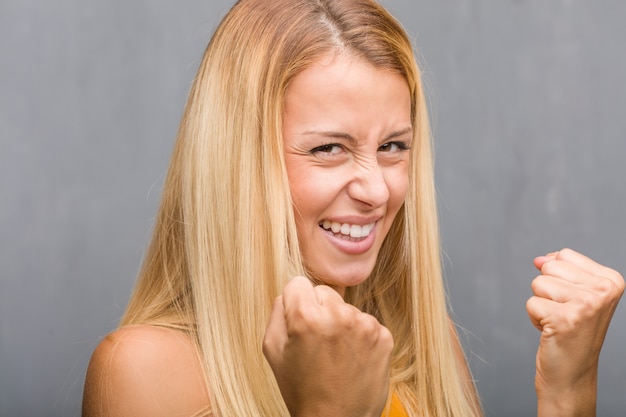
x=618 y=280
x=565 y=253
x=590 y=302
x=551 y=266
x=537 y=283
x=343 y=316
x=606 y=286
x=564 y=321
x=267 y=346
x=570 y=322
x=327 y=293
x=385 y=338
x=301 y=320
x=368 y=324
x=270 y=347
x=611 y=288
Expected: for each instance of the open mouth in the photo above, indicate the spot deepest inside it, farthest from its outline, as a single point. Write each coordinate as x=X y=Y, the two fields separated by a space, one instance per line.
x=353 y=232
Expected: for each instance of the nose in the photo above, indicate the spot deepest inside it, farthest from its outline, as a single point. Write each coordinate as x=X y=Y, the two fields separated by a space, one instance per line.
x=369 y=186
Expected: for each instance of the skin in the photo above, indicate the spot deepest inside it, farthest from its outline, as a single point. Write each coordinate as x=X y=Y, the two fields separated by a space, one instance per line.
x=573 y=303
x=329 y=358
x=347 y=130
x=314 y=339
x=144 y=371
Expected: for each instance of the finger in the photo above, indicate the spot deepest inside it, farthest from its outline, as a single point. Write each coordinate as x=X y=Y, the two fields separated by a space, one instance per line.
x=276 y=330
x=537 y=308
x=545 y=314
x=566 y=270
x=540 y=260
x=326 y=295
x=602 y=280
x=376 y=333
x=589 y=265
x=338 y=316
x=298 y=291
x=554 y=288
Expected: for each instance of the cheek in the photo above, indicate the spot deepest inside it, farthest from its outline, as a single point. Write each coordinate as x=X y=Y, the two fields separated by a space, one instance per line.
x=297 y=177
x=308 y=193
x=398 y=183
x=302 y=185
x=313 y=189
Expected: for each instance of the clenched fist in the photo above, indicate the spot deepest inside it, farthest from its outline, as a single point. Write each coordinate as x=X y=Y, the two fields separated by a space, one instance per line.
x=573 y=303
x=328 y=357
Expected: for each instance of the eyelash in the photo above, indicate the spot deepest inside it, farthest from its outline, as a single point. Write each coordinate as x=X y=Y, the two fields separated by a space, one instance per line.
x=326 y=148
x=402 y=146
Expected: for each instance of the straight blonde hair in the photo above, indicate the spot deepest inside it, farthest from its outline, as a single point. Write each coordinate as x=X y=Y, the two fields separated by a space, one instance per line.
x=225 y=241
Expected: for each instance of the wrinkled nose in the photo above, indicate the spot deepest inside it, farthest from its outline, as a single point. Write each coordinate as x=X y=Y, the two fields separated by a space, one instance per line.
x=369 y=186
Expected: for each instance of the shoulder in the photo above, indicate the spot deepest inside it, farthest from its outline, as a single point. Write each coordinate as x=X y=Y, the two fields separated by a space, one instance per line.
x=144 y=371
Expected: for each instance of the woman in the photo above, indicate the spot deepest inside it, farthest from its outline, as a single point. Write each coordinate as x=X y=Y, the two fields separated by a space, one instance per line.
x=304 y=151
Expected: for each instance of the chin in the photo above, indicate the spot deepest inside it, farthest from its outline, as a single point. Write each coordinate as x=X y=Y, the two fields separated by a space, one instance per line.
x=342 y=278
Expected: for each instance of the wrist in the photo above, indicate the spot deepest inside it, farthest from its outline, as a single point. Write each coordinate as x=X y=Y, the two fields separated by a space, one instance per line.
x=577 y=399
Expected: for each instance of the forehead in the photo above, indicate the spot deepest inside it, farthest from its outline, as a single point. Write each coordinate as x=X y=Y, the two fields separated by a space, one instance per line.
x=345 y=94
x=342 y=68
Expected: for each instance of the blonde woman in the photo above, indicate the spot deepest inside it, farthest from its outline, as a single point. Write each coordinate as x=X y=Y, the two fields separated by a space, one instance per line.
x=294 y=267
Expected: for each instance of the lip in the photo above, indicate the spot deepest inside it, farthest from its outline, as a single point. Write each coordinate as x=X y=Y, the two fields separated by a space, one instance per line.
x=352 y=247
x=359 y=220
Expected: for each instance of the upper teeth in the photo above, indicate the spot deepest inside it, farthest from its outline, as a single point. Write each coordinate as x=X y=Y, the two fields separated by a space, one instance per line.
x=352 y=230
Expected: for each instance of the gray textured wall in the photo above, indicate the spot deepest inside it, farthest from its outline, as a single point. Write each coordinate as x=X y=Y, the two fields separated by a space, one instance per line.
x=528 y=103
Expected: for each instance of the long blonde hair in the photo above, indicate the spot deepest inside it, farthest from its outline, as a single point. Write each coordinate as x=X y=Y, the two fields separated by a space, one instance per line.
x=225 y=240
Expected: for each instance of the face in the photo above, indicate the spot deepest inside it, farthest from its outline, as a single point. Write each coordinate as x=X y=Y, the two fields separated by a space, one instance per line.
x=347 y=130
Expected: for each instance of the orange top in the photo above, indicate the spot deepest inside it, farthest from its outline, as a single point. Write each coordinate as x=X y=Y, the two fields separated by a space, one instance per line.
x=395 y=408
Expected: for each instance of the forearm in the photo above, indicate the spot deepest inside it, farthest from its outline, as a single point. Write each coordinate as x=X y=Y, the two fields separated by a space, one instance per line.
x=573 y=303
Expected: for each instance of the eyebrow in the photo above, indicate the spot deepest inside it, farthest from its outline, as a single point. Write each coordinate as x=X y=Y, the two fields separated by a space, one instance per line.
x=351 y=139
